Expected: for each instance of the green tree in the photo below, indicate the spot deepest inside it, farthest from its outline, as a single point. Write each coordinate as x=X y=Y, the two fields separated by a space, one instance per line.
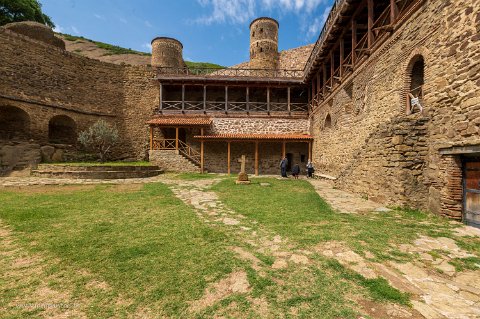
x=99 y=138
x=23 y=10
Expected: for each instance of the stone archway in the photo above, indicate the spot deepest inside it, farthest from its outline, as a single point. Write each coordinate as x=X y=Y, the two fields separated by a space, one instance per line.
x=14 y=123
x=62 y=129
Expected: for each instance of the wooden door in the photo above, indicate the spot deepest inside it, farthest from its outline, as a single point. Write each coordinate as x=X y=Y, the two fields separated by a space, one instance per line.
x=471 y=193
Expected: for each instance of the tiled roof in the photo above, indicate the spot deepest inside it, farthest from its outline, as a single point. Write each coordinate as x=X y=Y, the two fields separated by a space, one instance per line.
x=189 y=121
x=239 y=136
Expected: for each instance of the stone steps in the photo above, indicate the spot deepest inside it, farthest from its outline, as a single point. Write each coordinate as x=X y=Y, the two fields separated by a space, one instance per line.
x=96 y=172
x=172 y=161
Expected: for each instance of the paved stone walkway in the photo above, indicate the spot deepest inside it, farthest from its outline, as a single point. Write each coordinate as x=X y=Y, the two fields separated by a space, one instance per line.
x=342 y=201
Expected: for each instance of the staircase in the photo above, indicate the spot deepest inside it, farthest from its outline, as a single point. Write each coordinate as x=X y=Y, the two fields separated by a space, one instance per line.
x=169 y=158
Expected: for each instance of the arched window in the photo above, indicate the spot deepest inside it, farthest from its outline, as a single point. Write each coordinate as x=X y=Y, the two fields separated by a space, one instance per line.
x=328 y=122
x=14 y=123
x=416 y=80
x=62 y=129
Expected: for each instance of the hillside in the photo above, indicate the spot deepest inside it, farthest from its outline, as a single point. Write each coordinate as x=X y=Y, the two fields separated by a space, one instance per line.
x=114 y=54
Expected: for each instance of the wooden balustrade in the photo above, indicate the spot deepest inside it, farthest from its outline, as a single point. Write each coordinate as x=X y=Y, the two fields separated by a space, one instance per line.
x=209 y=106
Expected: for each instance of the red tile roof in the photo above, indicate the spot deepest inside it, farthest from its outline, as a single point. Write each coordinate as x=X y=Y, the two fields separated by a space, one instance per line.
x=181 y=121
x=236 y=136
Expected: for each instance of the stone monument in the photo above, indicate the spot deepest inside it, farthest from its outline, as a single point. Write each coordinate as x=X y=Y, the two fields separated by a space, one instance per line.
x=242 y=176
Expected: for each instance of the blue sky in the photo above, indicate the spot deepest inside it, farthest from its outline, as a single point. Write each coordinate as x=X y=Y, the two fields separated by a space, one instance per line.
x=211 y=30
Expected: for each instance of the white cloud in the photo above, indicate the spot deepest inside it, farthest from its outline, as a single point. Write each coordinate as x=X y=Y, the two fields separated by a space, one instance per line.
x=239 y=11
x=99 y=16
x=148 y=24
x=75 y=30
x=147 y=46
x=58 y=29
x=316 y=26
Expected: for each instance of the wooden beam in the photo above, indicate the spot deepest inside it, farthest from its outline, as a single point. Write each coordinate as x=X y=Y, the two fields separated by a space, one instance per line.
x=284 y=149
x=151 y=137
x=176 y=138
x=371 y=19
x=183 y=97
x=318 y=82
x=313 y=89
x=202 y=156
x=354 y=42
x=342 y=53
x=256 y=158
x=160 y=97
x=288 y=100
x=393 y=12
x=228 y=158
x=226 y=98
x=332 y=68
x=324 y=70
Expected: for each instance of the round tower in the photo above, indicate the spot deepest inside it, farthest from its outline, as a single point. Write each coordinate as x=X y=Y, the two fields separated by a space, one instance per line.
x=167 y=52
x=264 y=43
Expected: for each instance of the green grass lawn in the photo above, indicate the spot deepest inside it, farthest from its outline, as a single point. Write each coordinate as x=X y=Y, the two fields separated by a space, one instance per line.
x=293 y=209
x=144 y=244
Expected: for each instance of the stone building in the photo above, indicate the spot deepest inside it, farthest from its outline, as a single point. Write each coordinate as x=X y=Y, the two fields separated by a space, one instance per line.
x=386 y=101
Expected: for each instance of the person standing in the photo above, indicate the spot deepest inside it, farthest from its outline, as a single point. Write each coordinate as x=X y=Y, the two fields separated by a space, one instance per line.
x=283 y=166
x=310 y=169
x=296 y=171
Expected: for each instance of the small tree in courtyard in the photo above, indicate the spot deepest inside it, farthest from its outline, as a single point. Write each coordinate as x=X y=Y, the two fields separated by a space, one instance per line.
x=99 y=138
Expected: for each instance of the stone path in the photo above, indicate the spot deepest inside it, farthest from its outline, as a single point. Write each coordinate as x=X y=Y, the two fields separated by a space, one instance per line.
x=342 y=201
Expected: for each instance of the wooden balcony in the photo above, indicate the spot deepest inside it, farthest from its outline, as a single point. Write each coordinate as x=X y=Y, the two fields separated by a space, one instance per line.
x=163 y=72
x=233 y=107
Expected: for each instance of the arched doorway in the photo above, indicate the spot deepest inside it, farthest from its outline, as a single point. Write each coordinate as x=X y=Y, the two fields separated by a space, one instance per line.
x=415 y=80
x=62 y=129
x=14 y=123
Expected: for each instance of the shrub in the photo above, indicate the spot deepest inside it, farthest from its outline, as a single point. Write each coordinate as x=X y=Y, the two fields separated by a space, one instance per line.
x=99 y=139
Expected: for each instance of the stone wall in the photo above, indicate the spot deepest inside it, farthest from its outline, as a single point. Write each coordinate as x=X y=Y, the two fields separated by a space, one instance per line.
x=172 y=161
x=45 y=81
x=264 y=44
x=259 y=125
x=369 y=109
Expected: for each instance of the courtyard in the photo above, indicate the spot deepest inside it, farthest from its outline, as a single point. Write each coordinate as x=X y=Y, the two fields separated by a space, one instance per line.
x=199 y=246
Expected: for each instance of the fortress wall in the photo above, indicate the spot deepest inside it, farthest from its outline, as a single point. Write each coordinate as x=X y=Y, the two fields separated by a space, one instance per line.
x=259 y=126
x=373 y=147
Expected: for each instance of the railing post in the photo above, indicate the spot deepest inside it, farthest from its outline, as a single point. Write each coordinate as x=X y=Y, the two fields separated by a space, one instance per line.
x=288 y=100
x=268 y=100
x=354 y=43
x=248 y=99
x=332 y=69
x=393 y=12
x=183 y=97
x=160 y=97
x=176 y=138
x=370 y=36
x=204 y=99
x=151 y=137
x=342 y=49
x=226 y=98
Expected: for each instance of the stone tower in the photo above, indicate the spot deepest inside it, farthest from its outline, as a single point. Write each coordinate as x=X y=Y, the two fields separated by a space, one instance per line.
x=264 y=43
x=167 y=52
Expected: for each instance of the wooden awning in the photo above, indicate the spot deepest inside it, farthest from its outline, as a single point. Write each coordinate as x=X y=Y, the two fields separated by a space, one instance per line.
x=255 y=137
x=180 y=121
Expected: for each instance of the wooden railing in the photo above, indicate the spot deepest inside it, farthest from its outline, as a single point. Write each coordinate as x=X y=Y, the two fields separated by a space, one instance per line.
x=184 y=149
x=233 y=106
x=229 y=72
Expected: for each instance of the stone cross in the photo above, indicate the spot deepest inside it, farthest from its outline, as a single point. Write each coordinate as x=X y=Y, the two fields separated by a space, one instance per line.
x=242 y=162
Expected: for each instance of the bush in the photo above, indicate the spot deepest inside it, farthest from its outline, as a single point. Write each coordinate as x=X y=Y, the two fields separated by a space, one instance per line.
x=99 y=138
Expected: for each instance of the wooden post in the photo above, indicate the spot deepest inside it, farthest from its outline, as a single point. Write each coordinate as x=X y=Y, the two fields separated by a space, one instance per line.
x=247 y=98
x=318 y=83
x=342 y=53
x=332 y=69
x=370 y=36
x=288 y=100
x=313 y=90
x=151 y=137
x=354 y=42
x=284 y=149
x=183 y=97
x=202 y=156
x=228 y=158
x=256 y=158
x=268 y=99
x=324 y=70
x=393 y=12
x=310 y=150
x=176 y=138
x=226 y=98
x=204 y=99
x=160 y=97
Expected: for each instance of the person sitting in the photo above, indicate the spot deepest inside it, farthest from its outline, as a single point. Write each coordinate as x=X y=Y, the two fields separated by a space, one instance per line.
x=295 y=171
